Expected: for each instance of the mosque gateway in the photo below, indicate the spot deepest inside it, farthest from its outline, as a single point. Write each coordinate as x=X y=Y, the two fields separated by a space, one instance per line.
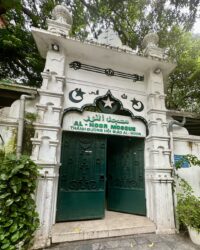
x=101 y=134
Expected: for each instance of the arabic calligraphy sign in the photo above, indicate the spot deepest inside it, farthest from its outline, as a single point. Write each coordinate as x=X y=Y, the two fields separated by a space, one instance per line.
x=91 y=122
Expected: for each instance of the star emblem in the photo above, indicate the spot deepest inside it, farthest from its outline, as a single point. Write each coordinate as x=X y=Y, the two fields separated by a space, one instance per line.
x=108 y=103
x=134 y=101
x=80 y=93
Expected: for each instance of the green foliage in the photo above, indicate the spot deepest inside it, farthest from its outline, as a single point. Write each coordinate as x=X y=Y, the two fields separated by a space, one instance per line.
x=28 y=133
x=19 y=58
x=188 y=206
x=191 y=159
x=183 y=88
x=18 y=217
x=132 y=19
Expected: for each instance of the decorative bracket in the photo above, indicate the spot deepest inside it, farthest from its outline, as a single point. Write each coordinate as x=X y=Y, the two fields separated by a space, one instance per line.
x=109 y=72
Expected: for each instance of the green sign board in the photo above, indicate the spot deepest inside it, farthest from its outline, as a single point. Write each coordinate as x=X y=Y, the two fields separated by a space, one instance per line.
x=91 y=122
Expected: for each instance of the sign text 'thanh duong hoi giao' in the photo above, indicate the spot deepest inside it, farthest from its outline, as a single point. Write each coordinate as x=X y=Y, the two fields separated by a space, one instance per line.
x=91 y=122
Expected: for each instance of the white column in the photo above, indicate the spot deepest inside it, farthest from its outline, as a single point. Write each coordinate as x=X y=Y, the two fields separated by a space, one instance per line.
x=46 y=145
x=159 y=172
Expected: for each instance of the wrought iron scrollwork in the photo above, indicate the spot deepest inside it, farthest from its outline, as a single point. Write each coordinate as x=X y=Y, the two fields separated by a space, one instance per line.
x=75 y=65
x=123 y=183
x=109 y=72
x=82 y=185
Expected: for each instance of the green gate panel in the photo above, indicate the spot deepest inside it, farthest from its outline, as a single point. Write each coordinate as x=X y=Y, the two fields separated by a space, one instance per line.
x=81 y=190
x=81 y=205
x=125 y=172
x=127 y=201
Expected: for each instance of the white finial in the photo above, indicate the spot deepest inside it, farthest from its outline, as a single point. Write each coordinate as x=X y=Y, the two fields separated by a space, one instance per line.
x=61 y=20
x=61 y=14
x=150 y=45
x=150 y=40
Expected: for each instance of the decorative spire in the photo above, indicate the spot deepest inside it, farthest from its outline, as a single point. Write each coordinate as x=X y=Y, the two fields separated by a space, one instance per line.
x=150 y=40
x=61 y=14
x=150 y=45
x=61 y=20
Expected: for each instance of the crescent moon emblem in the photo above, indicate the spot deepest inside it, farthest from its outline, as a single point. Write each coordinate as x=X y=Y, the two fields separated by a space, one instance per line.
x=140 y=108
x=76 y=95
x=137 y=105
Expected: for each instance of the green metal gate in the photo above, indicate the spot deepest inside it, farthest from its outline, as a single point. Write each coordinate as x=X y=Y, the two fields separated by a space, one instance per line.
x=82 y=181
x=125 y=171
x=81 y=191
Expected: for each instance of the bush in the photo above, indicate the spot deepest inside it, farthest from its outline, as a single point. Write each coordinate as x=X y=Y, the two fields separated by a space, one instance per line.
x=18 y=216
x=188 y=206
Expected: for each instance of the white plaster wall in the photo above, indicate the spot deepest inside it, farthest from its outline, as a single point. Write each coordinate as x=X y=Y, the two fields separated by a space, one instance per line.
x=8 y=126
x=188 y=144
x=4 y=112
x=9 y=120
x=12 y=113
x=30 y=105
x=8 y=133
x=14 y=109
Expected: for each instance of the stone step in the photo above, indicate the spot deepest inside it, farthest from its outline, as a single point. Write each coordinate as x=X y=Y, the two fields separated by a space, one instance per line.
x=114 y=224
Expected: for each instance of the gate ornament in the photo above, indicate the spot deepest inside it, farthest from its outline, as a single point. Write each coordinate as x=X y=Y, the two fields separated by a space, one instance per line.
x=137 y=105
x=109 y=72
x=61 y=20
x=108 y=104
x=61 y=14
x=76 y=95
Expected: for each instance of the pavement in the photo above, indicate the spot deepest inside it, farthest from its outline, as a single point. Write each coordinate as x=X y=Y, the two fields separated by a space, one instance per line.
x=133 y=242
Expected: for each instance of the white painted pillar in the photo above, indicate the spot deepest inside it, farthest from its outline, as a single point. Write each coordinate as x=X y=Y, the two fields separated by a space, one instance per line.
x=47 y=142
x=47 y=139
x=158 y=169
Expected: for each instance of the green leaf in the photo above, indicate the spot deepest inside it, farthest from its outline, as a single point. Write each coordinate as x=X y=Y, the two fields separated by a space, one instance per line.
x=15 y=180
x=24 y=196
x=18 y=198
x=2 y=237
x=13 y=228
x=15 y=237
x=4 y=177
x=5 y=241
x=17 y=168
x=14 y=214
x=12 y=247
x=5 y=246
x=26 y=173
x=8 y=223
x=2 y=186
x=3 y=196
x=14 y=188
x=9 y=202
x=2 y=219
